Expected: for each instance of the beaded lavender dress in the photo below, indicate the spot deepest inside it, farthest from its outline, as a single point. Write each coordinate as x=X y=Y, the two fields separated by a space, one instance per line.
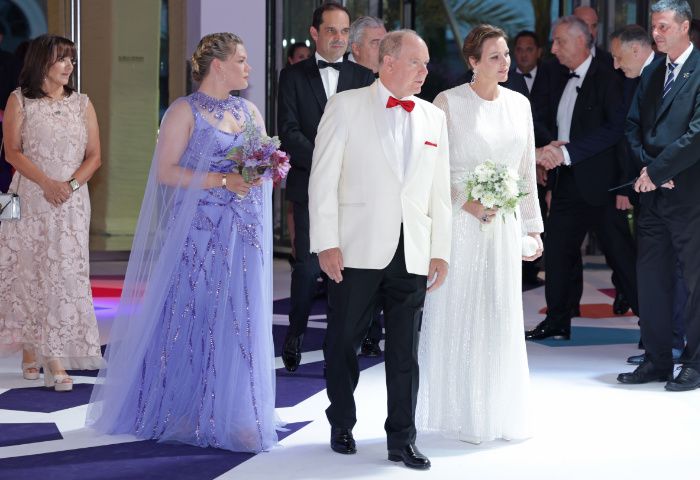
x=192 y=360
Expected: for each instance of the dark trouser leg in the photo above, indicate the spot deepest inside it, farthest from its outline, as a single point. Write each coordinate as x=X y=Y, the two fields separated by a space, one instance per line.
x=349 y=304
x=404 y=294
x=620 y=251
x=375 y=328
x=655 y=272
x=680 y=300
x=304 y=273
x=683 y=222
x=566 y=227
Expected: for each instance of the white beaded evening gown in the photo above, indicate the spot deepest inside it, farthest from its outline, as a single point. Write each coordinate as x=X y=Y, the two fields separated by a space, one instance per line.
x=474 y=380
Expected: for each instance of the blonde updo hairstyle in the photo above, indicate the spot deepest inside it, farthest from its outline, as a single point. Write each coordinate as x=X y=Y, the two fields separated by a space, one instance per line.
x=474 y=43
x=214 y=45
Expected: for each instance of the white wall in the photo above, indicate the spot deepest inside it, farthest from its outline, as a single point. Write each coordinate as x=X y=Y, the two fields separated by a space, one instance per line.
x=245 y=18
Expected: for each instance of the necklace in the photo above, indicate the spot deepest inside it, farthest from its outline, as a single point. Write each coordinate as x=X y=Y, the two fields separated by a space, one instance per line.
x=217 y=107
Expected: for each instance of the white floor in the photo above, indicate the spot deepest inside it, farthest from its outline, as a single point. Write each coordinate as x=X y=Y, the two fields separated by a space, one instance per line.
x=588 y=425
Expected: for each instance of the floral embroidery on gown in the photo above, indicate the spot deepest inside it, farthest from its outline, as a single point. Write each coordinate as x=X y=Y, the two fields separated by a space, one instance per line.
x=45 y=295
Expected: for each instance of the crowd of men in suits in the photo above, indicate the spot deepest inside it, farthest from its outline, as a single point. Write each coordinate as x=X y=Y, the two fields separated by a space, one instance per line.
x=613 y=132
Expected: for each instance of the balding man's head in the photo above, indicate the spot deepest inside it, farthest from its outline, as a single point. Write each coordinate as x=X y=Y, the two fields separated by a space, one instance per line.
x=590 y=18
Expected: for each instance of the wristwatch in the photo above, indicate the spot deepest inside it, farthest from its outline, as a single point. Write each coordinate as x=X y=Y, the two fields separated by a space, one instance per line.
x=74 y=185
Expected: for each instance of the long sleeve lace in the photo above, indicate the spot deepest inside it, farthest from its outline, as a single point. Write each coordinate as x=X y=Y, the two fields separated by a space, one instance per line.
x=529 y=205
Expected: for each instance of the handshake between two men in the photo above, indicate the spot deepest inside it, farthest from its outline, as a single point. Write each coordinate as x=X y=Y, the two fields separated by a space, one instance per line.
x=552 y=156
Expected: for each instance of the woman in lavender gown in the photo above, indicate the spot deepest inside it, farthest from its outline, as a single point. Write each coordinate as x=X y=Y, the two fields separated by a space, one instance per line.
x=190 y=357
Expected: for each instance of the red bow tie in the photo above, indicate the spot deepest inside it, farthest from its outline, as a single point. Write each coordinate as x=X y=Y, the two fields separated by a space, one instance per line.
x=405 y=104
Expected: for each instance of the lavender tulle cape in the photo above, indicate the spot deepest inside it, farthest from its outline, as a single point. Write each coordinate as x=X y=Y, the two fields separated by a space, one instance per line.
x=190 y=355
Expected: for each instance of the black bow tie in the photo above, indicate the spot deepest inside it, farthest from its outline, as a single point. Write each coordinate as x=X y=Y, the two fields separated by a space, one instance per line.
x=324 y=64
x=526 y=75
x=573 y=75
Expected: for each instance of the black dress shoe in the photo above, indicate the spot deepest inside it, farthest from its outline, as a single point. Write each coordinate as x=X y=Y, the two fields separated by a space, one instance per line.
x=688 y=379
x=646 y=373
x=410 y=456
x=342 y=441
x=291 y=353
x=544 y=330
x=370 y=348
x=620 y=304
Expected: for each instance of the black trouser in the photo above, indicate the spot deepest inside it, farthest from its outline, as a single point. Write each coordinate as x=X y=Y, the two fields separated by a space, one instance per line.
x=374 y=331
x=570 y=218
x=349 y=305
x=666 y=232
x=305 y=273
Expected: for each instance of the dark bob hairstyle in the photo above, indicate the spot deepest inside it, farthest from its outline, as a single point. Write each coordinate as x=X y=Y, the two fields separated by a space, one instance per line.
x=42 y=53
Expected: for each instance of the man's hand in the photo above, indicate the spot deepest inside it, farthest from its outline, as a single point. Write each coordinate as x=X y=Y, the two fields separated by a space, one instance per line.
x=541 y=175
x=331 y=261
x=644 y=183
x=551 y=156
x=437 y=272
x=622 y=202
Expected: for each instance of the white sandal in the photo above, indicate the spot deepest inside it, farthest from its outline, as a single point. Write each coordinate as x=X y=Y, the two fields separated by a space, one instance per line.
x=26 y=367
x=57 y=381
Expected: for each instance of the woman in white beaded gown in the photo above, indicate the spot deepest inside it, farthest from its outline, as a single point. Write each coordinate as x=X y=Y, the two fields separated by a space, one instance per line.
x=474 y=382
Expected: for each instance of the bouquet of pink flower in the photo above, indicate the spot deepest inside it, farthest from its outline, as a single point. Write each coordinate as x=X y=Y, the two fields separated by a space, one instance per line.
x=259 y=156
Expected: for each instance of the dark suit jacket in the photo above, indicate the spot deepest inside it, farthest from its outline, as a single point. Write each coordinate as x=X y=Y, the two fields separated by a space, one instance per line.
x=301 y=101
x=597 y=104
x=664 y=132
x=538 y=96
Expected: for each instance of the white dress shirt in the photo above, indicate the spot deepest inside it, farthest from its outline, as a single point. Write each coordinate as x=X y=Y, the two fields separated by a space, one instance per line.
x=399 y=121
x=329 y=76
x=528 y=81
x=679 y=63
x=566 y=106
x=648 y=61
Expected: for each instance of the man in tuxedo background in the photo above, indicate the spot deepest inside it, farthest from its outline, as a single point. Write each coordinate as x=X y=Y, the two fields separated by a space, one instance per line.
x=365 y=35
x=582 y=101
x=663 y=130
x=304 y=89
x=380 y=210
x=631 y=49
x=527 y=53
x=590 y=18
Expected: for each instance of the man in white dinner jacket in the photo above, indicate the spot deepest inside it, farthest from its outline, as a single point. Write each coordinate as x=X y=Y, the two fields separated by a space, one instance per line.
x=380 y=221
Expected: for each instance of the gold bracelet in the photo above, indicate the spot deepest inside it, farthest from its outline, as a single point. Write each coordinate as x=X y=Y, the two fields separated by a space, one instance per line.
x=223 y=181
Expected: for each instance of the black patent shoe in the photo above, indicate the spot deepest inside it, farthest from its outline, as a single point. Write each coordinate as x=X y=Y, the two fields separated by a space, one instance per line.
x=620 y=305
x=370 y=348
x=687 y=379
x=646 y=373
x=342 y=441
x=291 y=353
x=544 y=330
x=410 y=456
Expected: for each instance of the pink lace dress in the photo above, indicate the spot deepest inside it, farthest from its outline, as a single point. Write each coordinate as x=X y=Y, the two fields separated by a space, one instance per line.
x=45 y=296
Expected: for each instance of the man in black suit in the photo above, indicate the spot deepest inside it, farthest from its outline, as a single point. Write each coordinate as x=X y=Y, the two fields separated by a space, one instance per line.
x=582 y=101
x=526 y=55
x=663 y=129
x=304 y=89
x=631 y=49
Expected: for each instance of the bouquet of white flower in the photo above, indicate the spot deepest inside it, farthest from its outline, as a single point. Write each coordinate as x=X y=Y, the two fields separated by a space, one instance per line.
x=495 y=186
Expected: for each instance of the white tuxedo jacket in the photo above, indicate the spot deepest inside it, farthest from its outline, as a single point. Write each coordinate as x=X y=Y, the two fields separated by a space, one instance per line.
x=357 y=200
